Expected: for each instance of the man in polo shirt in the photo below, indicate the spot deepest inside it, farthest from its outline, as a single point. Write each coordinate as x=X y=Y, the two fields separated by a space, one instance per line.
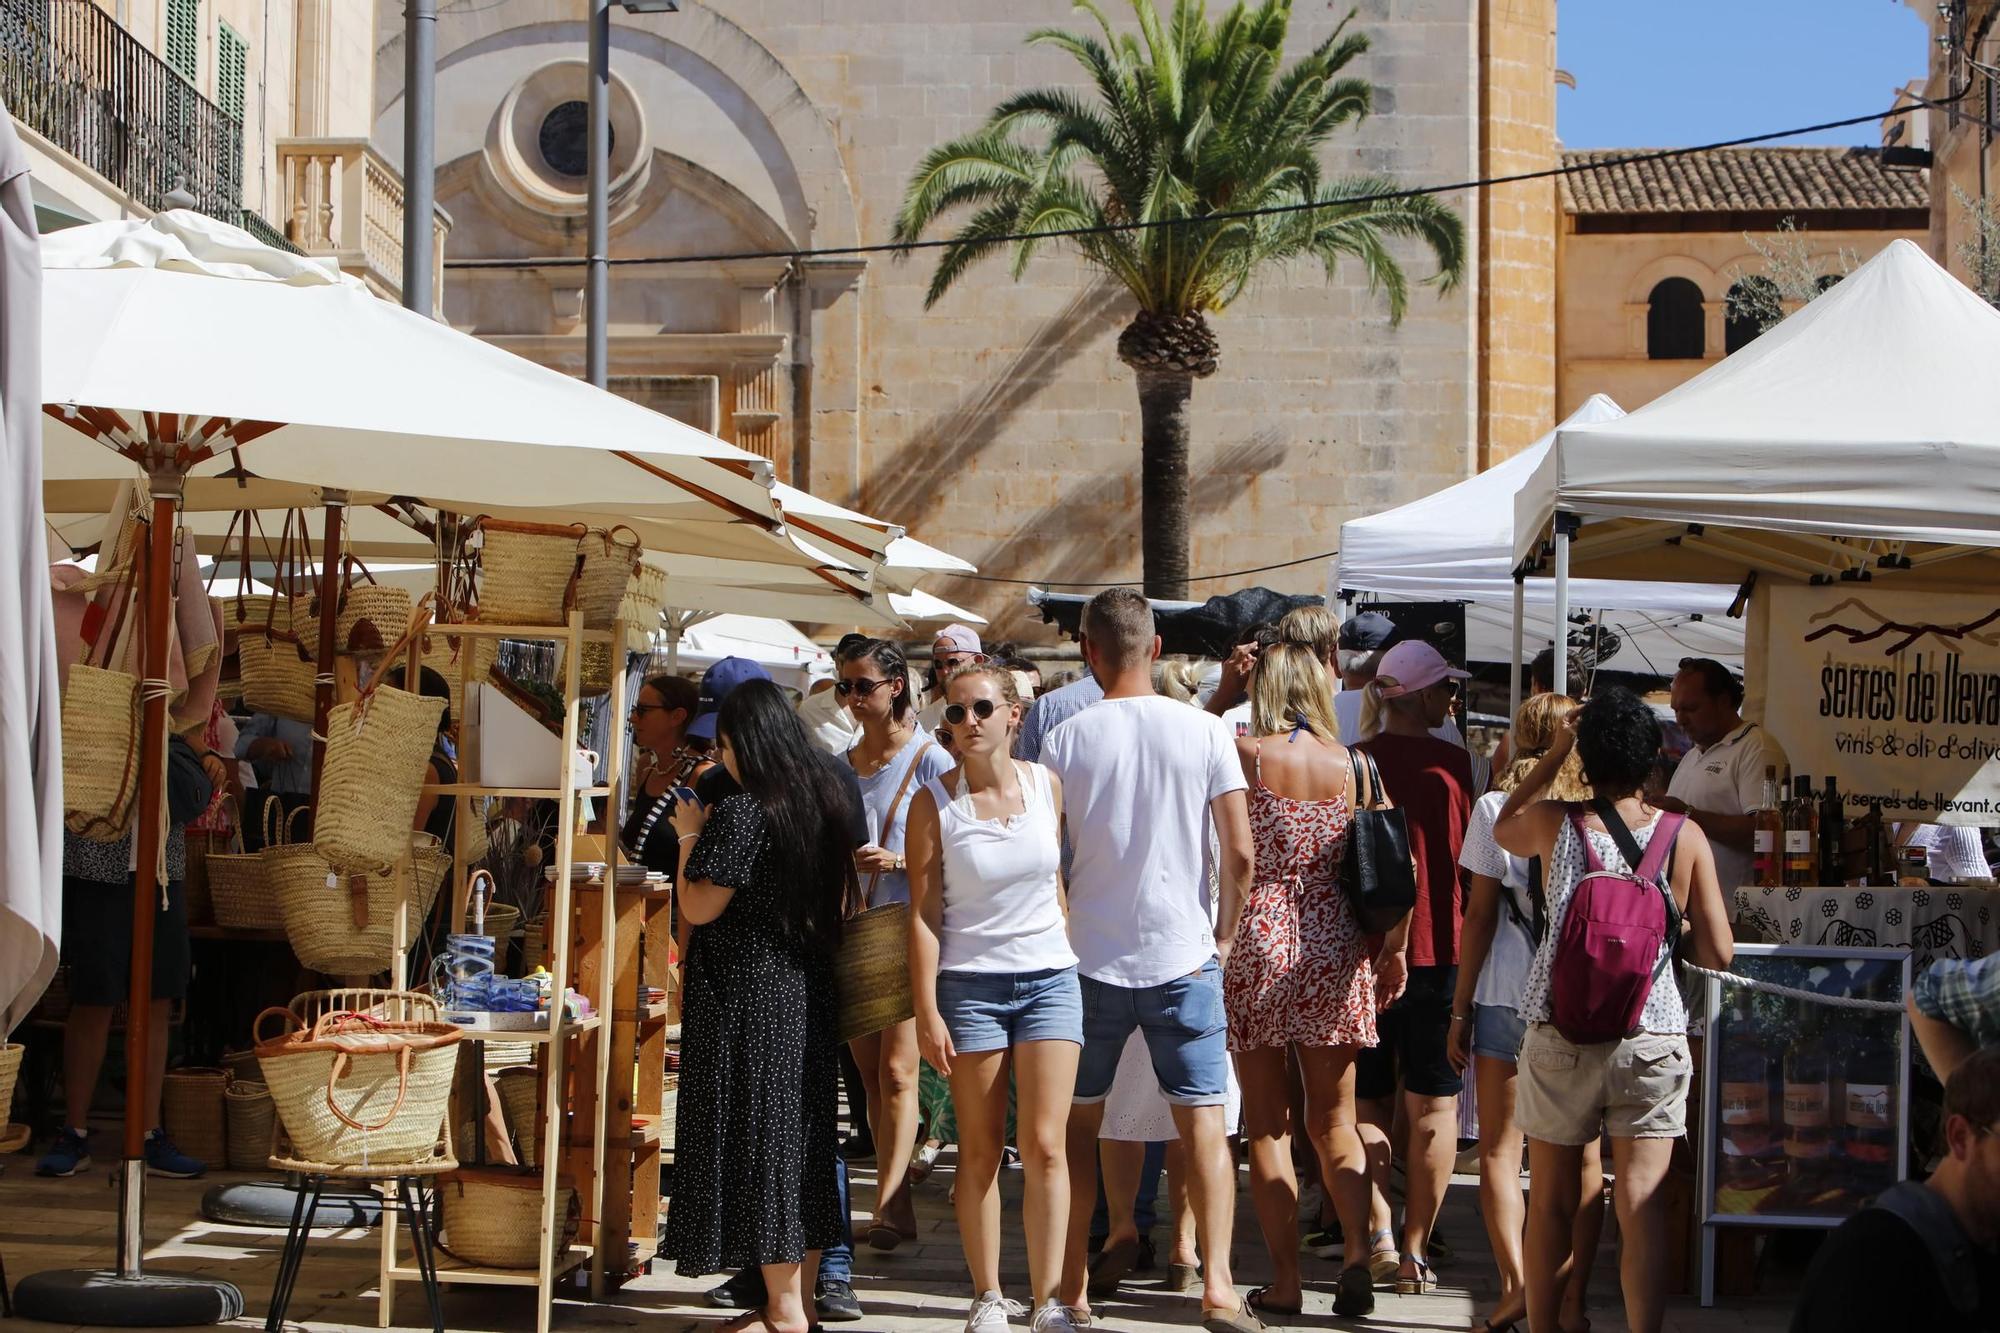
x=1720 y=781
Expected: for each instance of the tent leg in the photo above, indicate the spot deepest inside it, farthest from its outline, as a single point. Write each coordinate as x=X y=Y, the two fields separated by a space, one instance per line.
x=1565 y=532
x=1514 y=658
x=329 y=614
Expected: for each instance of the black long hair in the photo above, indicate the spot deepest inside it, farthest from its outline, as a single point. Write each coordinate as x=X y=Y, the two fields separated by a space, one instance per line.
x=805 y=803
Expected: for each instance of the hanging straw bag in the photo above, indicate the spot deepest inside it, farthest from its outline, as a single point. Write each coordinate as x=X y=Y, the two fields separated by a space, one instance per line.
x=368 y=612
x=244 y=610
x=606 y=562
x=100 y=731
x=527 y=571
x=238 y=888
x=275 y=659
x=345 y=925
x=377 y=749
x=871 y=970
x=493 y=1218
x=354 y=1090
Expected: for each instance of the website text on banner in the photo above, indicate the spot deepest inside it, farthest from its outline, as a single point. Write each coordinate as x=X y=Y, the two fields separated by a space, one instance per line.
x=1895 y=693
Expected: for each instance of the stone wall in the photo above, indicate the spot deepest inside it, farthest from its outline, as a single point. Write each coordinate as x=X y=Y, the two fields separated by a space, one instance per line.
x=1518 y=227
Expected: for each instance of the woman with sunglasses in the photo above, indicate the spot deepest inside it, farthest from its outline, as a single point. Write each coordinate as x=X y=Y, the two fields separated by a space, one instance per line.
x=892 y=758
x=660 y=720
x=995 y=983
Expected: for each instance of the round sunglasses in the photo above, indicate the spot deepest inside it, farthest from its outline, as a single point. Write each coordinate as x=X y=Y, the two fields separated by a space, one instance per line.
x=981 y=709
x=864 y=688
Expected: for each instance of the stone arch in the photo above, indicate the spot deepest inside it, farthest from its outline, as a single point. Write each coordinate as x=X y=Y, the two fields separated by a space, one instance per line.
x=1641 y=285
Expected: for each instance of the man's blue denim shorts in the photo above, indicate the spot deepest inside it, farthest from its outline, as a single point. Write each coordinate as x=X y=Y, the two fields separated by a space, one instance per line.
x=1186 y=1030
x=990 y=1011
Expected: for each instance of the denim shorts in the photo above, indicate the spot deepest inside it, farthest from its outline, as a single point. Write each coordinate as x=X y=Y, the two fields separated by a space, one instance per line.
x=990 y=1011
x=1186 y=1031
x=1497 y=1031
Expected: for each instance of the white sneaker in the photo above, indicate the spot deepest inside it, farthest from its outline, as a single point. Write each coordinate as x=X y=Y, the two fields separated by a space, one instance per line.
x=1054 y=1317
x=1310 y=1203
x=991 y=1312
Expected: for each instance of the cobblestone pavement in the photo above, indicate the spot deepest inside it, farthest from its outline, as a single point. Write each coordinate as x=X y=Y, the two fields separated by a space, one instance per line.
x=68 y=1223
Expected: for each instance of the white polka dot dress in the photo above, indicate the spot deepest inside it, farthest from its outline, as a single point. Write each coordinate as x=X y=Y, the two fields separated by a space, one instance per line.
x=755 y=1129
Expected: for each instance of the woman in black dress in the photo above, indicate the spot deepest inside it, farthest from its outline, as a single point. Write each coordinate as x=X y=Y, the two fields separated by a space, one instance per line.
x=765 y=876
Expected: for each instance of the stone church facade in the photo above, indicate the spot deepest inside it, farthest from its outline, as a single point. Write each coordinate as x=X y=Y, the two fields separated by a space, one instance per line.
x=1000 y=425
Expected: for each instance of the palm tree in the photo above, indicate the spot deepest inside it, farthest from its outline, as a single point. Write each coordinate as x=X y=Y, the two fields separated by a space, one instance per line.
x=1190 y=123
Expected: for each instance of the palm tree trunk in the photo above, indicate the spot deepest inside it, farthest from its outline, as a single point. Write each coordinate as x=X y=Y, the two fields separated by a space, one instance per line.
x=1163 y=472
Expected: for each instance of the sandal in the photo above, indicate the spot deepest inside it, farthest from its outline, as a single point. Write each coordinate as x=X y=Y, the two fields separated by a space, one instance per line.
x=1114 y=1262
x=1255 y=1300
x=882 y=1236
x=1384 y=1262
x=1217 y=1319
x=1183 y=1277
x=1423 y=1283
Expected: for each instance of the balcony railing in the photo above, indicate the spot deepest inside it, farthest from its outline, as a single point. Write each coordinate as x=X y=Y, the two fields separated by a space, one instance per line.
x=70 y=73
x=344 y=200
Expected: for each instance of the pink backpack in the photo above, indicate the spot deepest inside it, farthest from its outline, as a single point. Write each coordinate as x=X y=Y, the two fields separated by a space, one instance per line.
x=1607 y=955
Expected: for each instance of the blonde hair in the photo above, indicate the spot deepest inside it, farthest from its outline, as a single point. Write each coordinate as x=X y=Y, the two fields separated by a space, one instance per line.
x=1312 y=628
x=1010 y=691
x=1289 y=689
x=1535 y=729
x=1177 y=678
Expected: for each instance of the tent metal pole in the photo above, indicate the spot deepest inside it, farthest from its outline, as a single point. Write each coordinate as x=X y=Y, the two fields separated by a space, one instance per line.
x=597 y=245
x=1565 y=533
x=1514 y=658
x=419 y=154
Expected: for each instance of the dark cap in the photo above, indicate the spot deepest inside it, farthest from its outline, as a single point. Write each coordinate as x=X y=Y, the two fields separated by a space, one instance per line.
x=1369 y=632
x=716 y=684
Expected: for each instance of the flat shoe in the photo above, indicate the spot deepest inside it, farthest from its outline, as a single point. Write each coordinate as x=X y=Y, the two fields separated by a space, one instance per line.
x=1240 y=1320
x=1183 y=1277
x=882 y=1236
x=1256 y=1301
x=1354 y=1295
x=1114 y=1262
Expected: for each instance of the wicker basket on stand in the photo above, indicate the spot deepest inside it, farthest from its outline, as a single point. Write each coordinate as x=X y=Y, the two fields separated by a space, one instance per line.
x=191 y=1110
x=253 y=1124
x=493 y=1218
x=607 y=562
x=355 y=1090
x=527 y=571
x=242 y=1067
x=347 y=927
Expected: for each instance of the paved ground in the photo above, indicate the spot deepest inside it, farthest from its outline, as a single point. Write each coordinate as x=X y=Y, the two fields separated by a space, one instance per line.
x=48 y=1224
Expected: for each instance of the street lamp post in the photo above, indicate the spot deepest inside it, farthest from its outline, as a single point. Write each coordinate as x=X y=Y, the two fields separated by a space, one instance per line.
x=597 y=230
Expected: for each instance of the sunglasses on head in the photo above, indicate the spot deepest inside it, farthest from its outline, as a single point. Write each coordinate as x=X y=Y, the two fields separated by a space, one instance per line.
x=981 y=709
x=864 y=688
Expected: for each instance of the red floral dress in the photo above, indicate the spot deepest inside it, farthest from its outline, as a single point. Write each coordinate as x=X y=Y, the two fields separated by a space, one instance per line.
x=1300 y=971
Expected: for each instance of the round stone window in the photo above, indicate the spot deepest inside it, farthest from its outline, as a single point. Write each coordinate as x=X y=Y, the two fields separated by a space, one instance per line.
x=565 y=139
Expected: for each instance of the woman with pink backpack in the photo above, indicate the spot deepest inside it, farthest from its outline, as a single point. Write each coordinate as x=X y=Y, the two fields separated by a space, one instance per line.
x=1628 y=889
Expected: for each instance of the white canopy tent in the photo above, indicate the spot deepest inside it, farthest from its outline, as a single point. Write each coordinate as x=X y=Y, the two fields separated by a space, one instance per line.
x=1457 y=545
x=1861 y=435
x=777 y=645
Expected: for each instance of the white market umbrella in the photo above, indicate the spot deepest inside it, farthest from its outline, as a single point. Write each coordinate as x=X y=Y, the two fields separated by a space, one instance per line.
x=922 y=608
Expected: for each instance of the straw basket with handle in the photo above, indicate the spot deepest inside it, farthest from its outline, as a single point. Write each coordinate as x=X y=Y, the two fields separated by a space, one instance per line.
x=100 y=731
x=244 y=610
x=606 y=562
x=238 y=887
x=871 y=971
x=253 y=1123
x=275 y=659
x=368 y=613
x=353 y=1090
x=10 y=1070
x=493 y=1218
x=527 y=571
x=377 y=749
x=345 y=925
x=191 y=1103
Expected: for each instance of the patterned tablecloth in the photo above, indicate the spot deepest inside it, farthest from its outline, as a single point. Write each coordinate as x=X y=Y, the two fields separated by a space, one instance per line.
x=1931 y=923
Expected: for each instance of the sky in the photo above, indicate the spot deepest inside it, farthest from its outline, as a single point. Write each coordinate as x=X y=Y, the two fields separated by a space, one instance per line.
x=1667 y=73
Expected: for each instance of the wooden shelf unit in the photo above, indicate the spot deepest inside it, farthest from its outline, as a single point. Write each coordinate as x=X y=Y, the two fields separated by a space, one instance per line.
x=574 y=1057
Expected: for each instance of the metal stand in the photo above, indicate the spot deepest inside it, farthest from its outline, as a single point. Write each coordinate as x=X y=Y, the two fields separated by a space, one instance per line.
x=409 y=1192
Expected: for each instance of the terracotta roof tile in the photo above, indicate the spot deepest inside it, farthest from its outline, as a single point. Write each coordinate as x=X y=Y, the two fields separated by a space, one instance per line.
x=1741 y=180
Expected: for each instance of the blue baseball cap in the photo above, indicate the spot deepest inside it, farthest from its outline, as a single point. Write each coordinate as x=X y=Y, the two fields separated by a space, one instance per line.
x=716 y=684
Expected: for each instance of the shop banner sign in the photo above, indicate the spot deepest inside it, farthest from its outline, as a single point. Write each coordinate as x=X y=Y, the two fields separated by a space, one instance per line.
x=1897 y=694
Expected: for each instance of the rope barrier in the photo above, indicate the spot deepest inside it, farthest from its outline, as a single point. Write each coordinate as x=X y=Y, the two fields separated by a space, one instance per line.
x=1793 y=992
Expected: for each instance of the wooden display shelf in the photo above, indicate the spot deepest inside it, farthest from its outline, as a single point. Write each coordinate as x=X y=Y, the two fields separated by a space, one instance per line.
x=535 y=1035
x=480 y=630
x=454 y=1270
x=533 y=793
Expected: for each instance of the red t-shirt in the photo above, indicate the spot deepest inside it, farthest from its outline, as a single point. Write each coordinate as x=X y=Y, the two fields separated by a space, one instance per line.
x=1431 y=782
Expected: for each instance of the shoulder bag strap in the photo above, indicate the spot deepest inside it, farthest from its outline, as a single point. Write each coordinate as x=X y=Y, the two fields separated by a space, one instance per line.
x=896 y=804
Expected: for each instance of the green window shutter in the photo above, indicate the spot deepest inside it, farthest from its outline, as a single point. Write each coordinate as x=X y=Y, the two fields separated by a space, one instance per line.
x=184 y=38
x=232 y=58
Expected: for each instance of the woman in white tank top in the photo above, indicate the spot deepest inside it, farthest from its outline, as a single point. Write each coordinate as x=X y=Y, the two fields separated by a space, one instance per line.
x=995 y=983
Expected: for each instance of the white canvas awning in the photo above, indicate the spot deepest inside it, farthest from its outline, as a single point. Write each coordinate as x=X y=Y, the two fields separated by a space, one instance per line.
x=1863 y=430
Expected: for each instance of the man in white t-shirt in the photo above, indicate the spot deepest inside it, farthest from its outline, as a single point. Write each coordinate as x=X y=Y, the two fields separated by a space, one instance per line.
x=1144 y=779
x=1720 y=781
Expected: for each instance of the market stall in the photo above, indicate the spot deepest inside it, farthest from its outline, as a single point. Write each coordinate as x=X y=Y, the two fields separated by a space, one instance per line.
x=1843 y=471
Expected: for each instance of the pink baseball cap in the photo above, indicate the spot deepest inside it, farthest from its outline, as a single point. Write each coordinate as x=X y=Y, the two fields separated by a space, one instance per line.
x=957 y=639
x=1414 y=665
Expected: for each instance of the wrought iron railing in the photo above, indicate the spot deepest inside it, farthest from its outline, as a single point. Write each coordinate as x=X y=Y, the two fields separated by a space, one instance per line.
x=70 y=73
x=254 y=224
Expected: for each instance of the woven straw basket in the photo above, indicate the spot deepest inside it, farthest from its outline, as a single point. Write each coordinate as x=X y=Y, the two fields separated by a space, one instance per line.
x=526 y=571
x=608 y=562
x=10 y=1070
x=347 y=929
x=501 y=922
x=251 y=611
x=277 y=675
x=238 y=884
x=493 y=1218
x=359 y=1091
x=253 y=1124
x=369 y=615
x=376 y=751
x=520 y=1093
x=243 y=1067
x=100 y=758
x=872 y=971
x=191 y=1108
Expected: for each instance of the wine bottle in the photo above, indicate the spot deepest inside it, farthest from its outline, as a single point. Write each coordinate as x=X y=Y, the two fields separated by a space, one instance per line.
x=1832 y=835
x=1801 y=845
x=1767 y=839
x=1869 y=1140
x=1749 y=1130
x=1808 y=1091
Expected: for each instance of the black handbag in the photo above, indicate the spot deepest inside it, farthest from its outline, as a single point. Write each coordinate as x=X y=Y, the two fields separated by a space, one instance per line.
x=1377 y=872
